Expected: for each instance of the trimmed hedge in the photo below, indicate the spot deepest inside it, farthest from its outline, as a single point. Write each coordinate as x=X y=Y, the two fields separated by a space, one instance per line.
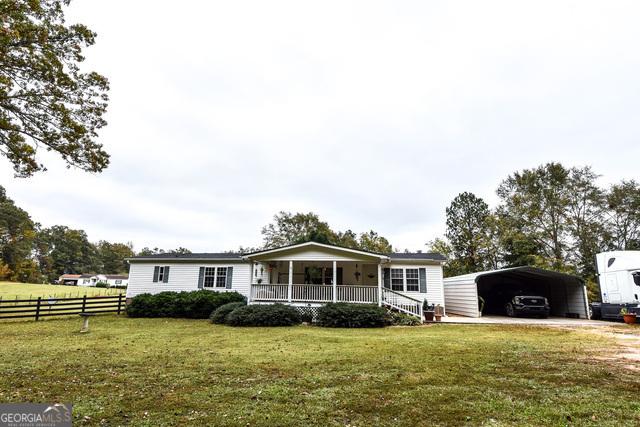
x=193 y=305
x=264 y=315
x=402 y=319
x=344 y=315
x=220 y=314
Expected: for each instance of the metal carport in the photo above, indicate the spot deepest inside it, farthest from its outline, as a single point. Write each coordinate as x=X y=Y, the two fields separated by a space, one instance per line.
x=567 y=294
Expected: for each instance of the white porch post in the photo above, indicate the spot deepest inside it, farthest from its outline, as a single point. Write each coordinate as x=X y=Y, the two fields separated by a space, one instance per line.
x=379 y=285
x=290 y=280
x=335 y=281
x=250 y=283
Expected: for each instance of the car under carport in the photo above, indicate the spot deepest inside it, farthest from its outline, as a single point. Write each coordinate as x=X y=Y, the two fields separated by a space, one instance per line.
x=567 y=294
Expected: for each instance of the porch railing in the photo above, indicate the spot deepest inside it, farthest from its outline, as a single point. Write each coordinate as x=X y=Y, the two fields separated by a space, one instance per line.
x=315 y=293
x=269 y=292
x=358 y=294
x=402 y=302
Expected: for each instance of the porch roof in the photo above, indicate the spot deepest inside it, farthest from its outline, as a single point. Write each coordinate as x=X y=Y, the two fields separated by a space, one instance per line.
x=312 y=245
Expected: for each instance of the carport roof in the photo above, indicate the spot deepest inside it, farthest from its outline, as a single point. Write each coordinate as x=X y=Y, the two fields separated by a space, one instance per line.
x=515 y=271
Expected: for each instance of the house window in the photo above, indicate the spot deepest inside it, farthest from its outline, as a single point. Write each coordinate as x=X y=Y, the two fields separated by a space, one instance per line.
x=85 y=281
x=397 y=279
x=221 y=278
x=209 y=277
x=413 y=280
x=118 y=282
x=160 y=274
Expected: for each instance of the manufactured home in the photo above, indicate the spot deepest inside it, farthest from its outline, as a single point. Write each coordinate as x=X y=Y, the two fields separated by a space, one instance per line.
x=308 y=275
x=111 y=280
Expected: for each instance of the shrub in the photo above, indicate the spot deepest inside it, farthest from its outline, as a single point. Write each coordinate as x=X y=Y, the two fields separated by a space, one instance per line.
x=402 y=319
x=264 y=315
x=220 y=314
x=344 y=315
x=194 y=305
x=102 y=285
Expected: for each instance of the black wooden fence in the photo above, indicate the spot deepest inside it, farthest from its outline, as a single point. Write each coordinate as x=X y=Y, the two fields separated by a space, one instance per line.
x=41 y=307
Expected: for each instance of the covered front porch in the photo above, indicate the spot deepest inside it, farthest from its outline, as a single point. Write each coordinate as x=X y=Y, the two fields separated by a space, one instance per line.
x=308 y=281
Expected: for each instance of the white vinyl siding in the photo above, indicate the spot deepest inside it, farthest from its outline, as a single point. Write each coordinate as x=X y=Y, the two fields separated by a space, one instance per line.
x=435 y=291
x=184 y=277
x=461 y=297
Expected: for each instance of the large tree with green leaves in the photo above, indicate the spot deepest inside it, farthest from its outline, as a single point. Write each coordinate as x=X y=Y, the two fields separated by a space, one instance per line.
x=469 y=232
x=46 y=100
x=535 y=203
x=623 y=202
x=65 y=250
x=17 y=235
x=288 y=229
x=113 y=256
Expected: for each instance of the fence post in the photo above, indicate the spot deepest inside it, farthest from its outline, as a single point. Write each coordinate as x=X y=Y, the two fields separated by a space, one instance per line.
x=119 y=302
x=38 y=309
x=84 y=302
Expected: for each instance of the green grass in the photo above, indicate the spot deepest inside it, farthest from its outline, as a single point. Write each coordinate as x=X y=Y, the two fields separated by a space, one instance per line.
x=152 y=372
x=13 y=290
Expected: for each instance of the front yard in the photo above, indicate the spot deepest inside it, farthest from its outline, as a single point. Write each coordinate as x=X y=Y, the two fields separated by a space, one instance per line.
x=189 y=372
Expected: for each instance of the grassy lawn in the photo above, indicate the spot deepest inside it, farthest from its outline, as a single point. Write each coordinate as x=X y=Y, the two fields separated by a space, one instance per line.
x=189 y=372
x=13 y=290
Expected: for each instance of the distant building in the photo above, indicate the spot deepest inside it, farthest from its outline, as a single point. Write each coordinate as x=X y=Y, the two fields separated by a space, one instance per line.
x=93 y=279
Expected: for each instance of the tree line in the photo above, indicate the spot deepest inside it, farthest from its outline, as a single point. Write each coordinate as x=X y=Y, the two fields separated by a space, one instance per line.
x=35 y=254
x=552 y=217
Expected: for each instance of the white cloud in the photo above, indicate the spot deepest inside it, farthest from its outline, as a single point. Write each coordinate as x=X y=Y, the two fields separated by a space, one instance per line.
x=372 y=114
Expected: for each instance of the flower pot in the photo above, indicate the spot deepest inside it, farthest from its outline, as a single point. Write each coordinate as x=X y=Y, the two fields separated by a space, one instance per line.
x=428 y=316
x=629 y=318
x=438 y=317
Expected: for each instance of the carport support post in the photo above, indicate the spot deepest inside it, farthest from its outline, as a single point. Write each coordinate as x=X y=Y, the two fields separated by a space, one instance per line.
x=335 y=281
x=290 y=281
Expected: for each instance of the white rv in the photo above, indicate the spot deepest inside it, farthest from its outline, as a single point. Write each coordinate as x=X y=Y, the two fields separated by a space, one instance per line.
x=619 y=278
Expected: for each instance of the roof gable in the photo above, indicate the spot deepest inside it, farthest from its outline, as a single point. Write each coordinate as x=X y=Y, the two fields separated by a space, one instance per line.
x=314 y=251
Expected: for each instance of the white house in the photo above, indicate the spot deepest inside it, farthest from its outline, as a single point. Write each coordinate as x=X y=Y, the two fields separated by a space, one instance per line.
x=307 y=274
x=94 y=279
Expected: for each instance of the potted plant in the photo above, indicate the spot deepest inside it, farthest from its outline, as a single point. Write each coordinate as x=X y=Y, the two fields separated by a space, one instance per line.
x=628 y=318
x=438 y=311
x=428 y=311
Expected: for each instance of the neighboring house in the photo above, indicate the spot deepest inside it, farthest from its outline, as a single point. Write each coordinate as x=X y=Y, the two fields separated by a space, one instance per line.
x=93 y=279
x=307 y=274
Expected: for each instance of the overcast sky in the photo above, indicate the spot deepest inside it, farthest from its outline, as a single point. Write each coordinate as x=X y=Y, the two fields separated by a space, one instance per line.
x=372 y=114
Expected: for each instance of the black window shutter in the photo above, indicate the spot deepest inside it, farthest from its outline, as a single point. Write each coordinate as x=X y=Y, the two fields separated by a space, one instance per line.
x=155 y=273
x=201 y=278
x=339 y=275
x=423 y=280
x=386 y=278
x=229 y=277
x=165 y=279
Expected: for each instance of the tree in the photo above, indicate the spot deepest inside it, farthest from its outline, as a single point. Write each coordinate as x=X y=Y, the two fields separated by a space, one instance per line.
x=45 y=100
x=17 y=234
x=113 y=256
x=66 y=250
x=623 y=201
x=535 y=202
x=585 y=218
x=288 y=229
x=453 y=266
x=373 y=242
x=467 y=231
x=155 y=251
